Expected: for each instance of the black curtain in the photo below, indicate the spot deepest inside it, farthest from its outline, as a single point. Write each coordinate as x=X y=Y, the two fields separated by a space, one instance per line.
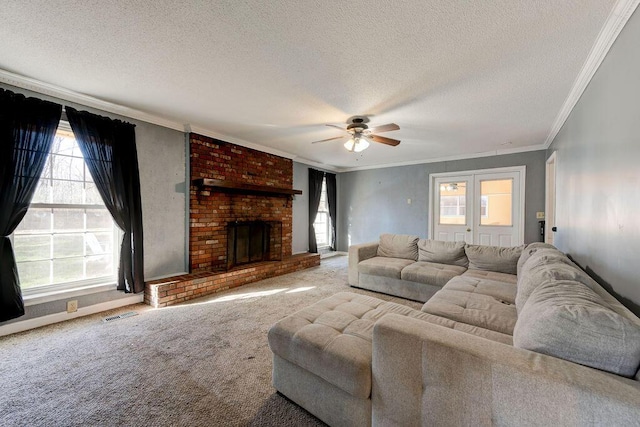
x=315 y=191
x=27 y=129
x=331 y=200
x=109 y=150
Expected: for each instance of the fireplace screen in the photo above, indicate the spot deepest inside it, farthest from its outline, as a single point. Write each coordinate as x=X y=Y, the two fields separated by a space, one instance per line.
x=253 y=241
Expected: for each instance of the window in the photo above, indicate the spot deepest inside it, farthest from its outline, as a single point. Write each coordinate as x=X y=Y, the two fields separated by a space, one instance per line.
x=67 y=238
x=484 y=206
x=322 y=225
x=452 y=206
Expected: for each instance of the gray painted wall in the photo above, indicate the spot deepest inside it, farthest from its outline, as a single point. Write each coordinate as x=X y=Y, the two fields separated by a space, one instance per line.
x=161 y=158
x=598 y=172
x=300 y=238
x=374 y=201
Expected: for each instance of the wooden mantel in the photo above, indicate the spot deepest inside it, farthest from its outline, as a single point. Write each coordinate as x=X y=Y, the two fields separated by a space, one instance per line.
x=240 y=188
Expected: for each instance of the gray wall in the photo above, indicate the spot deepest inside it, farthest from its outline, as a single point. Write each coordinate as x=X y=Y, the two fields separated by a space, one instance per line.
x=374 y=201
x=300 y=238
x=598 y=172
x=161 y=158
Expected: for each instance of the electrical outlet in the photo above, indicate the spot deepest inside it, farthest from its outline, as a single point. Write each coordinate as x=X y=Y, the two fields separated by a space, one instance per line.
x=72 y=306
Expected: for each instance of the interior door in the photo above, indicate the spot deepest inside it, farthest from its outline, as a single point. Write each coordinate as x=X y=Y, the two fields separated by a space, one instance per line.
x=480 y=207
x=550 y=200
x=452 y=219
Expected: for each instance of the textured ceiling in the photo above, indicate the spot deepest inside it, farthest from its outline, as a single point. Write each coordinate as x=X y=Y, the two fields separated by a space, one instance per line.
x=459 y=77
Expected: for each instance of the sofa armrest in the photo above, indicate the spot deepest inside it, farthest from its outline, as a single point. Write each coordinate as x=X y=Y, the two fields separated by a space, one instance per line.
x=359 y=253
x=426 y=374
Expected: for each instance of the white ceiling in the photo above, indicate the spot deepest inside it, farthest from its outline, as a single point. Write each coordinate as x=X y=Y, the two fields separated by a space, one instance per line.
x=459 y=77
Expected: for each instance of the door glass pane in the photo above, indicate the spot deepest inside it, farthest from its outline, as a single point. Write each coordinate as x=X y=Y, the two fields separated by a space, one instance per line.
x=496 y=207
x=453 y=197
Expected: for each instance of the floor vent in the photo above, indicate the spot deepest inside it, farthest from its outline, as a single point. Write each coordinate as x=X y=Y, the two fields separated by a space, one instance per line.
x=119 y=316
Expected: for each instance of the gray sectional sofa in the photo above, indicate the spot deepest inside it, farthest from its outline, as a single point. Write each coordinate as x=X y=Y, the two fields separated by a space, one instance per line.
x=414 y=268
x=544 y=346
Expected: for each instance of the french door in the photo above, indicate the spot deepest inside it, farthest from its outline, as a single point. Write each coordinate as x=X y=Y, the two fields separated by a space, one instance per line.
x=480 y=207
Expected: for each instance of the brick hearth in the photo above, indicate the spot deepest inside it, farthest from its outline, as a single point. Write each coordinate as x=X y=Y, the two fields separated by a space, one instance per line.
x=174 y=290
x=211 y=210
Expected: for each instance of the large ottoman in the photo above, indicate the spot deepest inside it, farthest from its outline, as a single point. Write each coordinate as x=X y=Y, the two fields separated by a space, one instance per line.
x=322 y=355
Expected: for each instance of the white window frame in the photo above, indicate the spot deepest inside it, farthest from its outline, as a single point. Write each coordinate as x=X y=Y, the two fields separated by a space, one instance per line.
x=76 y=284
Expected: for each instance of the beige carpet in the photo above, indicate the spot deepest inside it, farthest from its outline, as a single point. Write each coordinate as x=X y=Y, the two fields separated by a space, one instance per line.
x=203 y=363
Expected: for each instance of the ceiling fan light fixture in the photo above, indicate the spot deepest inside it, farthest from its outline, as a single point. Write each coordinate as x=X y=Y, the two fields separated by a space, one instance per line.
x=356 y=144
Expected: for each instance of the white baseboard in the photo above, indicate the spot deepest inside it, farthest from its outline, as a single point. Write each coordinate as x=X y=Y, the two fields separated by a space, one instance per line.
x=49 y=319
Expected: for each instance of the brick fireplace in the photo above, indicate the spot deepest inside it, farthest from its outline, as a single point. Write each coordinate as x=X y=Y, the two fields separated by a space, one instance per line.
x=211 y=209
x=231 y=184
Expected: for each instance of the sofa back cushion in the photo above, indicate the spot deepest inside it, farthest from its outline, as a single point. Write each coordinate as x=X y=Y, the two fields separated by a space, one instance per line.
x=567 y=319
x=398 y=246
x=438 y=251
x=542 y=266
x=529 y=250
x=493 y=258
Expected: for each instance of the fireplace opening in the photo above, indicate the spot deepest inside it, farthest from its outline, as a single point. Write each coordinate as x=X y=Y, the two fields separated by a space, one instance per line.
x=253 y=241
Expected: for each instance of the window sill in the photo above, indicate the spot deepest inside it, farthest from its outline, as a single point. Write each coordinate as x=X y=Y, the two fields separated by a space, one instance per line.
x=55 y=295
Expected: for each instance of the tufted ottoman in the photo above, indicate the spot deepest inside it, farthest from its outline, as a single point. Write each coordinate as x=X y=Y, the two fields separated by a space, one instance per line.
x=322 y=355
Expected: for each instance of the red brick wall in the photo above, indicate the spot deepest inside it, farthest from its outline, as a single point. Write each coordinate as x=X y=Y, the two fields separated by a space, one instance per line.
x=211 y=210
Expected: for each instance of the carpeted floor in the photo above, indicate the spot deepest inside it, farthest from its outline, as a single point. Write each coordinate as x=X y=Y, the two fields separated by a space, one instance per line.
x=203 y=363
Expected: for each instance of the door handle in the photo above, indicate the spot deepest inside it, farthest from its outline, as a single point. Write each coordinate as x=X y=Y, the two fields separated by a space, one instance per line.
x=468 y=229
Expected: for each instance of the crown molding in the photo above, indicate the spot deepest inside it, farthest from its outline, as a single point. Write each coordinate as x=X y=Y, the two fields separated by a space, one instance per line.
x=616 y=21
x=323 y=166
x=86 y=100
x=449 y=158
x=38 y=86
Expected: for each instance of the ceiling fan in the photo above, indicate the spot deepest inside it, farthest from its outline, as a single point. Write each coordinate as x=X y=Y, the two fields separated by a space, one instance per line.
x=360 y=134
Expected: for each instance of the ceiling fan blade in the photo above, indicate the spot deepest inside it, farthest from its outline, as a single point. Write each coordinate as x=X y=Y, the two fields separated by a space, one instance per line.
x=383 y=140
x=330 y=139
x=385 y=128
x=338 y=127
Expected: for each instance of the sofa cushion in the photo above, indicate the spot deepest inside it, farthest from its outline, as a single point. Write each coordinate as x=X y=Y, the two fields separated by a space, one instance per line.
x=442 y=252
x=475 y=309
x=431 y=273
x=567 y=319
x=383 y=266
x=493 y=258
x=542 y=267
x=529 y=250
x=492 y=275
x=502 y=291
x=398 y=246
